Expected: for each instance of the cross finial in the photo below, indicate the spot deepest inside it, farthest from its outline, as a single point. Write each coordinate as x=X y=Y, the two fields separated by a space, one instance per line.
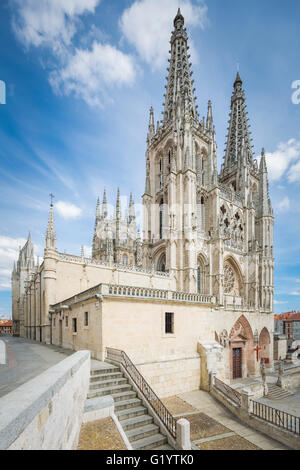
x=51 y=198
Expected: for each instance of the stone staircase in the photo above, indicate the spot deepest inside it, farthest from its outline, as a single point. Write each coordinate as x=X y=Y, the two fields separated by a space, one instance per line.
x=133 y=416
x=277 y=393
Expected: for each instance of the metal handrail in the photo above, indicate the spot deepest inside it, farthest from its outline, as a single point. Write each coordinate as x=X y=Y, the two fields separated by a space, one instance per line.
x=277 y=417
x=164 y=414
x=232 y=394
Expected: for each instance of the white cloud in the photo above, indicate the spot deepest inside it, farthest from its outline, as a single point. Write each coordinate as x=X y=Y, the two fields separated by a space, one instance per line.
x=89 y=73
x=68 y=210
x=278 y=302
x=87 y=251
x=279 y=161
x=295 y=293
x=294 y=171
x=284 y=205
x=147 y=25
x=51 y=23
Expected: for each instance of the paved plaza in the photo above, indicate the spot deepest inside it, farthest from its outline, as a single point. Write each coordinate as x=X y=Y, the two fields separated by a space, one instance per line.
x=25 y=360
x=213 y=427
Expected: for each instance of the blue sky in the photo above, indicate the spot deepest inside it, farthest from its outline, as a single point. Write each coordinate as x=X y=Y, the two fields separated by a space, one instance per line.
x=80 y=79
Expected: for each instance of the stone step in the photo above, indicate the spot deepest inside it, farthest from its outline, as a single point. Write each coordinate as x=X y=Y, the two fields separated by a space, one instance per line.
x=139 y=421
x=125 y=404
x=106 y=376
x=164 y=447
x=124 y=395
x=149 y=442
x=102 y=392
x=108 y=383
x=131 y=413
x=104 y=370
x=142 y=432
x=277 y=393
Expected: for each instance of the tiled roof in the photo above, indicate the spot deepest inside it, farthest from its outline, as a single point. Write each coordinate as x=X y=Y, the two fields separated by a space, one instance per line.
x=289 y=316
x=5 y=323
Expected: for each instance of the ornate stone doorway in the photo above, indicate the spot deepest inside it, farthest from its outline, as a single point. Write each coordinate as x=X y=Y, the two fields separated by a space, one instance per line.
x=242 y=357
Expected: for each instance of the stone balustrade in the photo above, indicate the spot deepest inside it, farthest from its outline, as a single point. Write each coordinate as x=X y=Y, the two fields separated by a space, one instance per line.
x=119 y=267
x=111 y=290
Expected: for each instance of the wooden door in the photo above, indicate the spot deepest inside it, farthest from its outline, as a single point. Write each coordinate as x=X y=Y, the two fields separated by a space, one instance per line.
x=237 y=363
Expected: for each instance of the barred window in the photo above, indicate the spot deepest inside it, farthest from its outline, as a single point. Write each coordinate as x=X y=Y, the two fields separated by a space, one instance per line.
x=86 y=319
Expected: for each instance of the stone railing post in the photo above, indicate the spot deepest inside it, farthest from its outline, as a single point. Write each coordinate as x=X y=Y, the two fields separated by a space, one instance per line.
x=183 y=433
x=247 y=403
x=170 y=295
x=212 y=377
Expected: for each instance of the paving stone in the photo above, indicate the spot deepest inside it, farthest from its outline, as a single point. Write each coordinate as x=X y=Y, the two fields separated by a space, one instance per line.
x=203 y=426
x=177 y=406
x=229 y=443
x=100 y=435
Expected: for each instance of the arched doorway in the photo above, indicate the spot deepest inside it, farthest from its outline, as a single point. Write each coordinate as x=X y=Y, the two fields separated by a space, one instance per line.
x=241 y=341
x=264 y=344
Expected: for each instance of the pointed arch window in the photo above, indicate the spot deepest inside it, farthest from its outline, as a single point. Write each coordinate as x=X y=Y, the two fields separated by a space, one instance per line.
x=160 y=174
x=199 y=278
x=161 y=265
x=161 y=213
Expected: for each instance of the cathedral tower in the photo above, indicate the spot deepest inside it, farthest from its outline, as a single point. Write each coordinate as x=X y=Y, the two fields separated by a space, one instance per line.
x=180 y=164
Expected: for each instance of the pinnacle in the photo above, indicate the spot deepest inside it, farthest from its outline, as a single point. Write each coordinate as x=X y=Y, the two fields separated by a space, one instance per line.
x=238 y=78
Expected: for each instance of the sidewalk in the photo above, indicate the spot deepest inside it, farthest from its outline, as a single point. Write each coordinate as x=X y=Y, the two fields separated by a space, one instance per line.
x=25 y=359
x=215 y=428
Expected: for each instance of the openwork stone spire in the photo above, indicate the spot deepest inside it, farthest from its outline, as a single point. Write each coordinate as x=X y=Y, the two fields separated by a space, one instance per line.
x=265 y=206
x=51 y=235
x=239 y=146
x=180 y=92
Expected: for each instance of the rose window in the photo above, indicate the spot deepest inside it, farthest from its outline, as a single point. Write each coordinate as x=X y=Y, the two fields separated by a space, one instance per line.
x=229 y=279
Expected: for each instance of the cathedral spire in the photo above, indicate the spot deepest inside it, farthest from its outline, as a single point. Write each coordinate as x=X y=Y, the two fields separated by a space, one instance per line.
x=131 y=209
x=151 y=131
x=179 y=89
x=239 y=142
x=265 y=207
x=104 y=205
x=97 y=213
x=118 y=205
x=51 y=235
x=209 y=118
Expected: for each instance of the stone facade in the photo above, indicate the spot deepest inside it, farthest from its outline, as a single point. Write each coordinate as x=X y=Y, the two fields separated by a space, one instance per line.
x=206 y=251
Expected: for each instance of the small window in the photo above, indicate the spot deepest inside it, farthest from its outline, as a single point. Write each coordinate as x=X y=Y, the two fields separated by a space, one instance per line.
x=67 y=322
x=86 y=319
x=169 y=323
x=74 y=325
x=54 y=322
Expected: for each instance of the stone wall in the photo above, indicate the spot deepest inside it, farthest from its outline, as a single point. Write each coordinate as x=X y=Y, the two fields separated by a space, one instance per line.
x=46 y=412
x=280 y=347
x=174 y=376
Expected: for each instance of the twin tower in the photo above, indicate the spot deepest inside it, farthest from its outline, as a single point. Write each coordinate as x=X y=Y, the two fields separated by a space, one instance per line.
x=212 y=231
